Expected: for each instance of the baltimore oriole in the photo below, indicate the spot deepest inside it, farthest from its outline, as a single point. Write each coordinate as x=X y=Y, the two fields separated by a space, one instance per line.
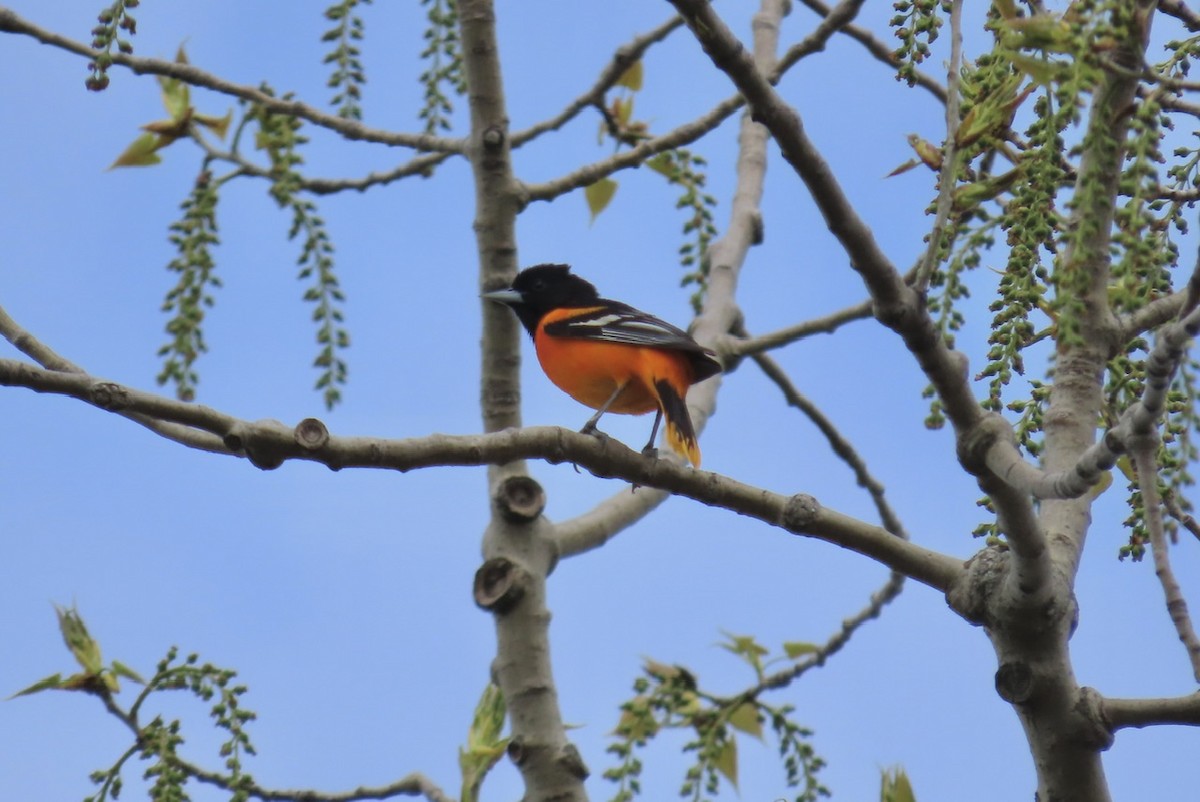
x=608 y=355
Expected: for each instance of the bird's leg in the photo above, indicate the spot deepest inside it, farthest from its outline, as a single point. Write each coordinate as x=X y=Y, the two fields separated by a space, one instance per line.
x=590 y=426
x=650 y=450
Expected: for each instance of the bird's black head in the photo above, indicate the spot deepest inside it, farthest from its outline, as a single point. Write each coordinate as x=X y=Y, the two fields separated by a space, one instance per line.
x=536 y=290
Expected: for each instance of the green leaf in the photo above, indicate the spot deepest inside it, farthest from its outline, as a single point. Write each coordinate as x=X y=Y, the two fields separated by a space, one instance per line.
x=484 y=746
x=726 y=761
x=895 y=787
x=636 y=721
x=82 y=645
x=796 y=648
x=744 y=646
x=599 y=195
x=662 y=164
x=622 y=109
x=176 y=95
x=52 y=682
x=142 y=152
x=122 y=670
x=632 y=77
x=746 y=719
x=218 y=125
x=1042 y=71
x=661 y=671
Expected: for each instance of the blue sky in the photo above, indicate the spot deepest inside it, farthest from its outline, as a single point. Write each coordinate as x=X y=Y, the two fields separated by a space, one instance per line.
x=343 y=599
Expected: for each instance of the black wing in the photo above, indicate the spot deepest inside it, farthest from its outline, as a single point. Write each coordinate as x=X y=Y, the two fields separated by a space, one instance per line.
x=615 y=322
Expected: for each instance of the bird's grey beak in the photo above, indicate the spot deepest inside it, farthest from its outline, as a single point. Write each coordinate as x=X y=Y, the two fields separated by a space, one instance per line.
x=507 y=296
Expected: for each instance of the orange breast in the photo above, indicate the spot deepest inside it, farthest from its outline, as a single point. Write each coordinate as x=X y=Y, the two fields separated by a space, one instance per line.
x=590 y=371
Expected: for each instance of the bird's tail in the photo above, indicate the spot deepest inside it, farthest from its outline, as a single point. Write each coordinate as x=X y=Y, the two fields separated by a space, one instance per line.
x=681 y=435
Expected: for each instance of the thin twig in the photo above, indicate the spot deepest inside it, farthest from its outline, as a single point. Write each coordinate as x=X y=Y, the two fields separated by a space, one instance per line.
x=45 y=356
x=821 y=325
x=879 y=50
x=417 y=166
x=874 y=608
x=689 y=132
x=625 y=56
x=948 y=175
x=1146 y=465
x=10 y=22
x=1176 y=511
x=414 y=784
x=634 y=157
x=839 y=444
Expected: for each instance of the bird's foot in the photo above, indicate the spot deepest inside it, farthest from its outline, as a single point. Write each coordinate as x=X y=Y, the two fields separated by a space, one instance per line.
x=590 y=428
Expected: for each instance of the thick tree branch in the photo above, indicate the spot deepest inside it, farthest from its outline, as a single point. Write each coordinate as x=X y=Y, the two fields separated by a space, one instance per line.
x=1180 y=10
x=1089 y=331
x=10 y=22
x=518 y=547
x=896 y=304
x=609 y=518
x=268 y=444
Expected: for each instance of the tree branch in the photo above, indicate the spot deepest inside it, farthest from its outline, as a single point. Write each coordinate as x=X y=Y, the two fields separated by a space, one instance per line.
x=840 y=445
x=610 y=517
x=10 y=22
x=896 y=304
x=420 y=165
x=878 y=49
x=948 y=174
x=268 y=444
x=720 y=311
x=1122 y=713
x=414 y=784
x=1181 y=11
x=625 y=57
x=692 y=131
x=1176 y=511
x=1150 y=316
x=879 y=599
x=785 y=336
x=591 y=173
x=45 y=356
x=1147 y=472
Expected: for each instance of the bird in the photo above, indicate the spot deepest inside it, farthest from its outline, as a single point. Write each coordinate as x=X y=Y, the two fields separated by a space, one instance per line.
x=609 y=356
